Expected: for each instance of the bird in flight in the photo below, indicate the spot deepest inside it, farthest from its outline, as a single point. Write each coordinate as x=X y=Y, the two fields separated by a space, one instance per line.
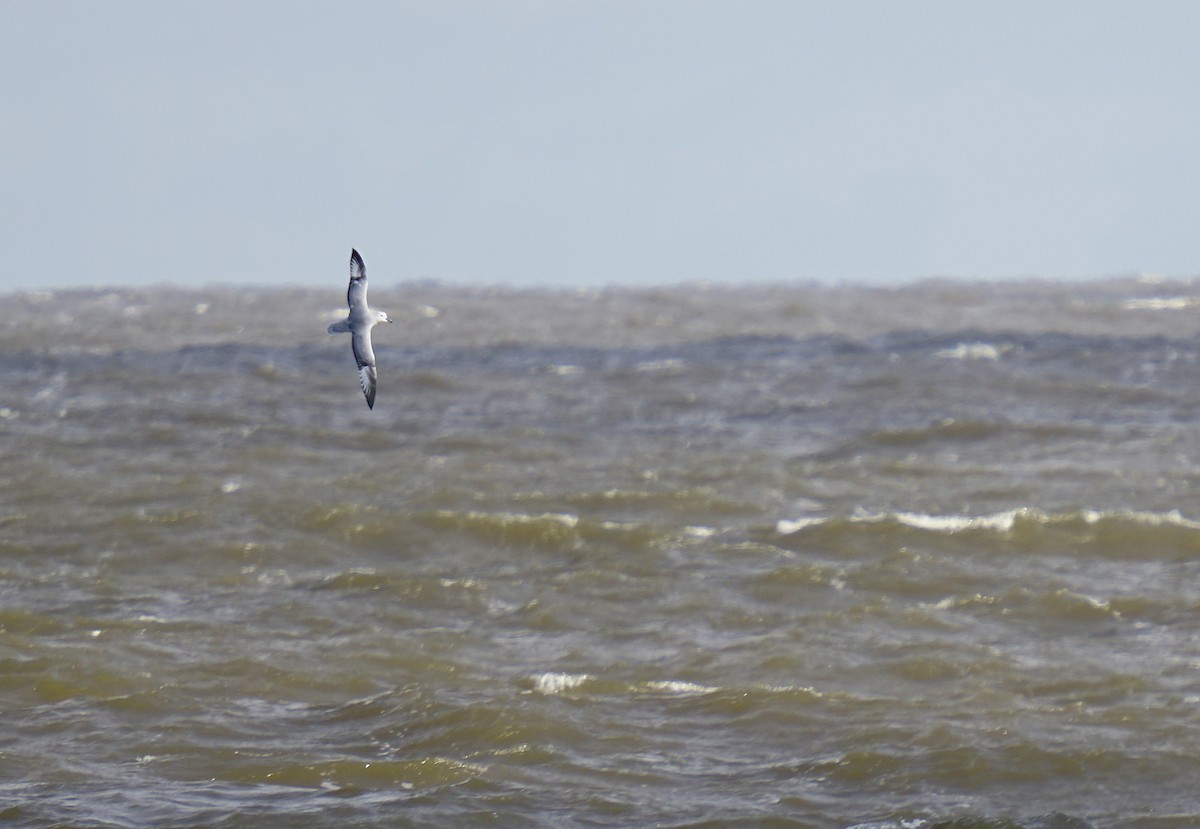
x=360 y=322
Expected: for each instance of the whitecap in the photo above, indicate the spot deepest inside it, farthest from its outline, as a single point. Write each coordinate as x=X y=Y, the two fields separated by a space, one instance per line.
x=1002 y=521
x=1174 y=518
x=556 y=683
x=955 y=602
x=679 y=688
x=565 y=518
x=973 y=351
x=785 y=526
x=1172 y=303
x=902 y=823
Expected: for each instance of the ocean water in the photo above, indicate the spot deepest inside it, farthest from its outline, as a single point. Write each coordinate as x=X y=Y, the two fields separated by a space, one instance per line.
x=780 y=556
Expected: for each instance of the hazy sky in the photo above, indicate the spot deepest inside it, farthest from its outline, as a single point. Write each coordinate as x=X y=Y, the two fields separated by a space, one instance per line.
x=591 y=142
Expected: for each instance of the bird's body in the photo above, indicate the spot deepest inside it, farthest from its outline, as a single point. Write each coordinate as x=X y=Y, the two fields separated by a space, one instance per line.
x=360 y=322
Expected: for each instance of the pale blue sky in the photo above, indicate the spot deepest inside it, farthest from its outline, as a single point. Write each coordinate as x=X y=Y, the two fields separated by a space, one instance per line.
x=586 y=143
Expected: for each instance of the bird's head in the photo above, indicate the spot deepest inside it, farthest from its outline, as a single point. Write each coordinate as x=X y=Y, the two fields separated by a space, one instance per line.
x=381 y=316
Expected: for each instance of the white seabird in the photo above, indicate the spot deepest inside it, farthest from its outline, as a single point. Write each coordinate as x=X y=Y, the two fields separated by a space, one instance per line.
x=360 y=322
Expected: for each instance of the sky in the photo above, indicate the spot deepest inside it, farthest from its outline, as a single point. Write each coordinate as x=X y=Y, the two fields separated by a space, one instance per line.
x=585 y=143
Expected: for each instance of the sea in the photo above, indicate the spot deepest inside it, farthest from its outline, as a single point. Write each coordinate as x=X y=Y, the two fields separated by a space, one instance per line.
x=820 y=556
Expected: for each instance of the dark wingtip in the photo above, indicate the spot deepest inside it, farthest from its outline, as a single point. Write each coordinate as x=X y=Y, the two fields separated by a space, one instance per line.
x=357 y=268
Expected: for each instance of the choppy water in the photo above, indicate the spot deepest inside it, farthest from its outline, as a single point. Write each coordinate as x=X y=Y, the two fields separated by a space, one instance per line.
x=773 y=557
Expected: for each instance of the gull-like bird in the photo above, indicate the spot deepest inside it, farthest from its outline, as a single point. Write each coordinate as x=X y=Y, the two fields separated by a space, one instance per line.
x=360 y=322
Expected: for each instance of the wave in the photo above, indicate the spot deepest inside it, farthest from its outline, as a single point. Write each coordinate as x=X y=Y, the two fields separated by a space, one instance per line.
x=739 y=696
x=551 y=684
x=1004 y=521
x=975 y=351
x=1171 y=303
x=1054 y=820
x=1113 y=532
x=354 y=775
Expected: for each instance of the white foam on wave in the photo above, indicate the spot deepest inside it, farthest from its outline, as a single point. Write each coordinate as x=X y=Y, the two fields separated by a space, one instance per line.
x=785 y=526
x=1003 y=521
x=1168 y=303
x=566 y=519
x=902 y=823
x=463 y=583
x=973 y=351
x=955 y=602
x=1173 y=518
x=679 y=688
x=555 y=683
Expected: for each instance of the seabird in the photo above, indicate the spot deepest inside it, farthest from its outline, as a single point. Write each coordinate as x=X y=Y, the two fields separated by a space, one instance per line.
x=360 y=322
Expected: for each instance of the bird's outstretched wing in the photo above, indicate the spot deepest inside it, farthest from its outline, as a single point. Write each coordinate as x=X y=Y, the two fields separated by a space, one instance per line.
x=367 y=378
x=364 y=355
x=356 y=296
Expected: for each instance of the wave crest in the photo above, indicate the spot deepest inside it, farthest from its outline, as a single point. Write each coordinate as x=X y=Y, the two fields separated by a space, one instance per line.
x=1109 y=532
